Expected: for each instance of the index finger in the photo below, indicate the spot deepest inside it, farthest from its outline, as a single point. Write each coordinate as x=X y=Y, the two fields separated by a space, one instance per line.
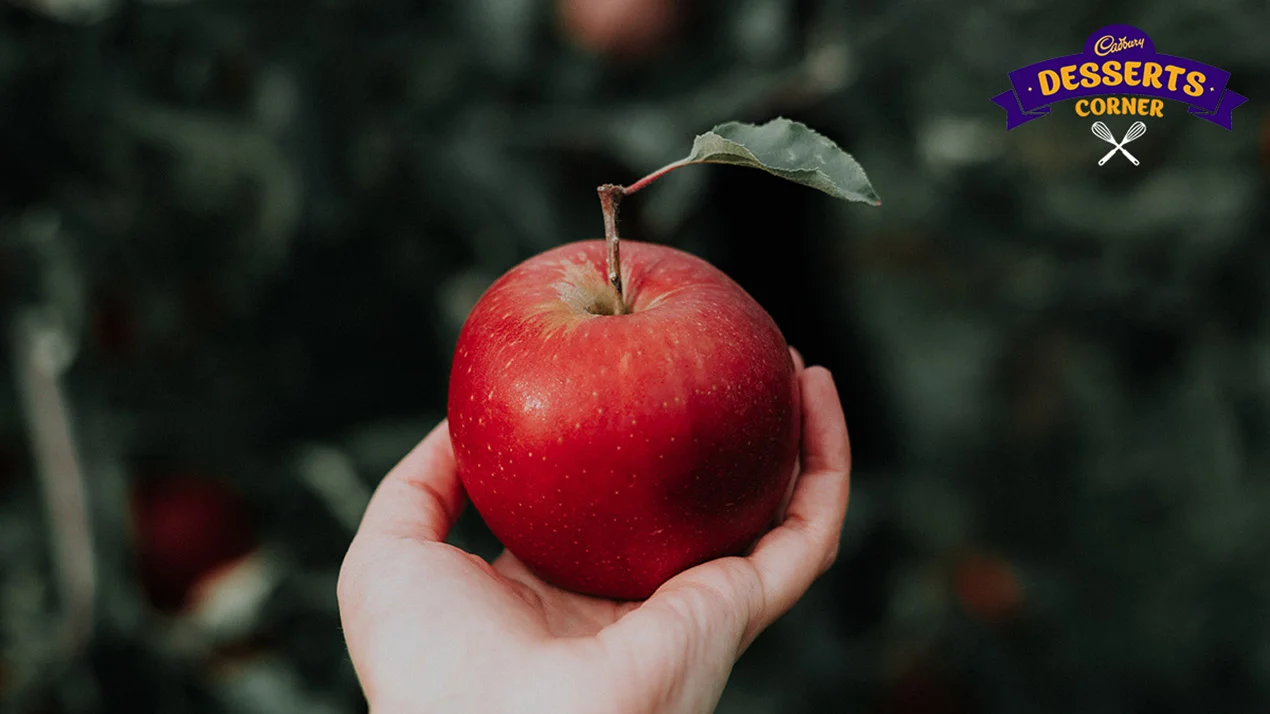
x=421 y=497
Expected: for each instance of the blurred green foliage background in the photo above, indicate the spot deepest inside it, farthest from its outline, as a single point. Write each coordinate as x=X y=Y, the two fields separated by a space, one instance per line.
x=237 y=241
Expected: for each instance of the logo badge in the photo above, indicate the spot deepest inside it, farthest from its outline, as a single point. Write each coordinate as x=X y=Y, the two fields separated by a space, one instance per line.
x=1119 y=74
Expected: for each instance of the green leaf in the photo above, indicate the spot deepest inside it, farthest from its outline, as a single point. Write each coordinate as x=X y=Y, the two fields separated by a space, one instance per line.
x=787 y=149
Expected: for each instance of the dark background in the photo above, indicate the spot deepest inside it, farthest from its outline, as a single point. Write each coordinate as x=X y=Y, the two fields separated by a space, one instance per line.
x=237 y=241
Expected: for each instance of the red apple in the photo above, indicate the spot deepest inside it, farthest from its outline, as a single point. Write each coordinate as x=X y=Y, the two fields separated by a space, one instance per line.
x=186 y=528
x=621 y=29
x=988 y=588
x=611 y=451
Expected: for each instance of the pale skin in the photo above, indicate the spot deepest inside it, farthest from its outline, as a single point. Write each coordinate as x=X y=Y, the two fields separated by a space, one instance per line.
x=432 y=628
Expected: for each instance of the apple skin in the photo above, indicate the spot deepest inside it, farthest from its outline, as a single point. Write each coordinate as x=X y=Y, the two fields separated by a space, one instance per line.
x=611 y=452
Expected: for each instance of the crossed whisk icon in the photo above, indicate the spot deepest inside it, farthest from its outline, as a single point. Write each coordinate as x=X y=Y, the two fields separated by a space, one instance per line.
x=1135 y=132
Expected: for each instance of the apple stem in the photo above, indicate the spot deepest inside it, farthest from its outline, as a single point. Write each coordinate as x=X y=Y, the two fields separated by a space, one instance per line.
x=610 y=197
x=628 y=190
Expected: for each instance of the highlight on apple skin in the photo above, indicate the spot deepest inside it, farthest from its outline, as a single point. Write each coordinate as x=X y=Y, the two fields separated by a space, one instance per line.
x=610 y=452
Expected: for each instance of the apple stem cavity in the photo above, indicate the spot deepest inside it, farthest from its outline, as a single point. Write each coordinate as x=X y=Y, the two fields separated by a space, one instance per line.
x=610 y=197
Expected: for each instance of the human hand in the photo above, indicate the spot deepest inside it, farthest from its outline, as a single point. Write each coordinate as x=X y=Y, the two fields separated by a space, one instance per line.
x=432 y=628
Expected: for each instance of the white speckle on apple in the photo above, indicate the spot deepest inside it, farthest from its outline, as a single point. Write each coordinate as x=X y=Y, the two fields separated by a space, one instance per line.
x=533 y=403
x=595 y=394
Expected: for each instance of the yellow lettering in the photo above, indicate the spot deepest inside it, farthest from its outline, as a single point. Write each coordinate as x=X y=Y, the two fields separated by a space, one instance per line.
x=1069 y=77
x=1195 y=84
x=1151 y=75
x=1097 y=106
x=1082 y=108
x=1157 y=108
x=1131 y=73
x=1113 y=105
x=1110 y=73
x=1049 y=81
x=1089 y=75
x=1142 y=105
x=1173 y=71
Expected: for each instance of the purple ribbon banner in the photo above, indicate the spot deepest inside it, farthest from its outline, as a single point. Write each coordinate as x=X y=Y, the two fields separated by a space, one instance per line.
x=1119 y=60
